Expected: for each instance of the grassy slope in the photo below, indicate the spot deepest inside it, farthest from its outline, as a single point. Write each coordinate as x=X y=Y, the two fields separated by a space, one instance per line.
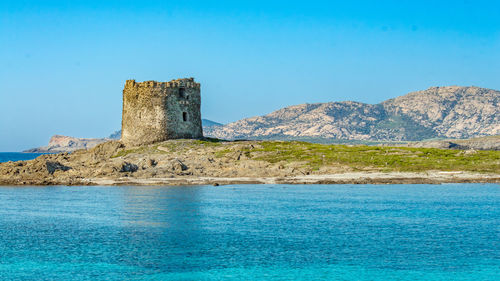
x=385 y=158
x=358 y=157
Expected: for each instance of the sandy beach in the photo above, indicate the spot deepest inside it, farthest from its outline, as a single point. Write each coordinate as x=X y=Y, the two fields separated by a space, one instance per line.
x=434 y=177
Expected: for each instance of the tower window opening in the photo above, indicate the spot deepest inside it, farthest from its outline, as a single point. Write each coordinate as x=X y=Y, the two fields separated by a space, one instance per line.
x=182 y=92
x=184 y=116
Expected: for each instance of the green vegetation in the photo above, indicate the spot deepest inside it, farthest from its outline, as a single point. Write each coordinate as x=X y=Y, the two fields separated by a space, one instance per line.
x=412 y=130
x=139 y=150
x=170 y=146
x=385 y=158
x=313 y=156
x=209 y=142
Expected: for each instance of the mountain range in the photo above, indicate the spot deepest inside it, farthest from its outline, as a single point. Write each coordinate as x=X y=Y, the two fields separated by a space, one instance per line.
x=438 y=112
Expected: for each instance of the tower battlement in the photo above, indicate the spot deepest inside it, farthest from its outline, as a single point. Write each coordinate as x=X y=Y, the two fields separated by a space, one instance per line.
x=157 y=111
x=176 y=83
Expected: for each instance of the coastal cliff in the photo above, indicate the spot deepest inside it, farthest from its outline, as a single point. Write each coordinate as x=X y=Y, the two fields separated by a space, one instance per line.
x=58 y=143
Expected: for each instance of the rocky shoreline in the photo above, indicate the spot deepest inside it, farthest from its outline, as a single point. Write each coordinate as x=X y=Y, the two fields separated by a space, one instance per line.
x=213 y=162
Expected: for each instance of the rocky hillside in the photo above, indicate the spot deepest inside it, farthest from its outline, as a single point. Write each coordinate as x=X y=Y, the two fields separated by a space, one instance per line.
x=438 y=112
x=209 y=123
x=454 y=112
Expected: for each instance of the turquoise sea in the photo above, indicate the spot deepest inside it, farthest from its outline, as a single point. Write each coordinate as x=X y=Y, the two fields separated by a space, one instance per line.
x=251 y=232
x=17 y=156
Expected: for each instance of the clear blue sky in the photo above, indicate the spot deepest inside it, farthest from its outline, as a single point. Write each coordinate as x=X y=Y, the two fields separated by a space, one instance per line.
x=63 y=64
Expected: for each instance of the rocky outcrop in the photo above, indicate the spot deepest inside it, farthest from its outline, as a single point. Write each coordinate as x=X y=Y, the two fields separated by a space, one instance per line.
x=439 y=112
x=210 y=162
x=64 y=168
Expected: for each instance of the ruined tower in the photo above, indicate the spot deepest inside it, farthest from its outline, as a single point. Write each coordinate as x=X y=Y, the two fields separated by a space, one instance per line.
x=157 y=111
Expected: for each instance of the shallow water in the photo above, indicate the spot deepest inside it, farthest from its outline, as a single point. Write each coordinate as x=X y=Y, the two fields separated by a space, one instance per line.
x=248 y=232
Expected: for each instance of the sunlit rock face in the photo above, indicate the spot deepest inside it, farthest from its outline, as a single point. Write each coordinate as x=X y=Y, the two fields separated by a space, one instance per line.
x=449 y=112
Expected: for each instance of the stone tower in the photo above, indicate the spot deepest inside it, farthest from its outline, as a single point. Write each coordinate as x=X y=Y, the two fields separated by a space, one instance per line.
x=157 y=111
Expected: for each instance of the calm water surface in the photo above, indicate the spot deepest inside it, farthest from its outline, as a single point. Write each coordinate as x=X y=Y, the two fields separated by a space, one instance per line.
x=265 y=232
x=17 y=156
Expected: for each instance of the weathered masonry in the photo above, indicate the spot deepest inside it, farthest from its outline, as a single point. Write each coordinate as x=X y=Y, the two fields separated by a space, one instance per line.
x=157 y=111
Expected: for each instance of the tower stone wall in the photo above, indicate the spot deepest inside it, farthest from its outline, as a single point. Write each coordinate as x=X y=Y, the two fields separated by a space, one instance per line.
x=158 y=111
